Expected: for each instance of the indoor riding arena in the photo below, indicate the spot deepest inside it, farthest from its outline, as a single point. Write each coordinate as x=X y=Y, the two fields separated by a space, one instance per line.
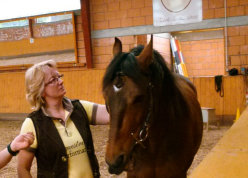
x=205 y=41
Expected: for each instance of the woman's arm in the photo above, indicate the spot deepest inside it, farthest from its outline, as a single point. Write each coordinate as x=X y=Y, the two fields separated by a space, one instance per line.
x=97 y=113
x=5 y=157
x=24 y=163
x=102 y=116
x=22 y=141
x=25 y=157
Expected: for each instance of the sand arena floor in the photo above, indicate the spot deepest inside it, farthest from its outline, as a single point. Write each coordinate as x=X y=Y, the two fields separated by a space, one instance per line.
x=9 y=129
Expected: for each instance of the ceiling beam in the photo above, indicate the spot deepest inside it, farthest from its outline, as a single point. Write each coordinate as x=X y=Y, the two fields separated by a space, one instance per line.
x=85 y=13
x=150 y=29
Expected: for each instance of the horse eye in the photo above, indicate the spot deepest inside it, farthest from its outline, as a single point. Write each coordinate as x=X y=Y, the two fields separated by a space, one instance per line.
x=119 y=85
x=138 y=99
x=119 y=82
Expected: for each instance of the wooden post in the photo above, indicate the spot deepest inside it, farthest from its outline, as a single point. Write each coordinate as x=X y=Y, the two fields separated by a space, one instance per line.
x=30 y=25
x=85 y=13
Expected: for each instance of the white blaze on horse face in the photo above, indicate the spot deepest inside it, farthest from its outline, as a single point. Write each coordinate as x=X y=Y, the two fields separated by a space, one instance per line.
x=116 y=89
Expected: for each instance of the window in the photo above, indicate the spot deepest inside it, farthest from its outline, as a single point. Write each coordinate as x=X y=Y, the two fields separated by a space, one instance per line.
x=18 y=23
x=53 y=18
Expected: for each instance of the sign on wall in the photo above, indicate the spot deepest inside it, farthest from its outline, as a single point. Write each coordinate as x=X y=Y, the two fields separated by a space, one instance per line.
x=172 y=12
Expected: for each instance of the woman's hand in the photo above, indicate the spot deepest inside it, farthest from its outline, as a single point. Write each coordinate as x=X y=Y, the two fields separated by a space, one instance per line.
x=22 y=141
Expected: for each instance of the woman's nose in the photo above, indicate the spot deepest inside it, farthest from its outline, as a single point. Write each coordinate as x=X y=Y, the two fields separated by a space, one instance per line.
x=60 y=81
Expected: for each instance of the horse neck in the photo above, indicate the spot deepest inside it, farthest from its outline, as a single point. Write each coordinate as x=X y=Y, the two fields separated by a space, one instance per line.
x=164 y=99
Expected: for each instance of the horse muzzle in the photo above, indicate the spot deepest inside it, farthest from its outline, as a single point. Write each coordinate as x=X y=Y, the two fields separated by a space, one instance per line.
x=117 y=167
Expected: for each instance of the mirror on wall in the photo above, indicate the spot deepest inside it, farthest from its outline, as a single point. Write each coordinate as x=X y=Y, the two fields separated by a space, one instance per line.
x=35 y=39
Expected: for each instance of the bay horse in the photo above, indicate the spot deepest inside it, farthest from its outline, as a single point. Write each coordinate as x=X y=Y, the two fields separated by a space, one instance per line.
x=155 y=118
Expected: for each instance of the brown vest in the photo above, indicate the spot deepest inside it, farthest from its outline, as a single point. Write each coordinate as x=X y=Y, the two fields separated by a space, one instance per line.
x=51 y=154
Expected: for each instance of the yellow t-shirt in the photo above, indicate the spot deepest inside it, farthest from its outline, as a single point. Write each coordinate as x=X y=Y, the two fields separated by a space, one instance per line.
x=78 y=161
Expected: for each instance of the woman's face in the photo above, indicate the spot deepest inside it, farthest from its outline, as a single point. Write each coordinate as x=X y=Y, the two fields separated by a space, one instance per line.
x=54 y=86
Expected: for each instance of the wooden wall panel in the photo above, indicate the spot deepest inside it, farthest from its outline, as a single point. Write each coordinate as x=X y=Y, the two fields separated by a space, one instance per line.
x=198 y=87
x=87 y=85
x=12 y=93
x=40 y=45
x=234 y=94
x=82 y=84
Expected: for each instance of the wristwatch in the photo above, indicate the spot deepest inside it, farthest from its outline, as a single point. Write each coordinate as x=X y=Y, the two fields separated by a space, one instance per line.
x=13 y=153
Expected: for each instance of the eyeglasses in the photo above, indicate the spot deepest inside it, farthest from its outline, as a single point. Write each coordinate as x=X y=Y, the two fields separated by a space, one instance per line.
x=54 y=80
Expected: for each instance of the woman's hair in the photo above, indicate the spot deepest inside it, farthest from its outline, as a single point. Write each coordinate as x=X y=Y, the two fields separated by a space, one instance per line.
x=34 y=80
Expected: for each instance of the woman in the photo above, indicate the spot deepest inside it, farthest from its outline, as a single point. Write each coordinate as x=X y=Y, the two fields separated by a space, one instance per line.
x=22 y=141
x=63 y=143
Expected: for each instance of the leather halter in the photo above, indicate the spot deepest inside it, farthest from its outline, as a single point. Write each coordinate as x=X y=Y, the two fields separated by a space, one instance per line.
x=144 y=132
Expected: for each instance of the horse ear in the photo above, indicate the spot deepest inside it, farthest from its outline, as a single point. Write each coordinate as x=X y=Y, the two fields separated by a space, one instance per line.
x=117 y=48
x=145 y=57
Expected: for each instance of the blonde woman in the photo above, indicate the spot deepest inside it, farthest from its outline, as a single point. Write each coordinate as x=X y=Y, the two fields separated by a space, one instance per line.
x=20 y=142
x=63 y=144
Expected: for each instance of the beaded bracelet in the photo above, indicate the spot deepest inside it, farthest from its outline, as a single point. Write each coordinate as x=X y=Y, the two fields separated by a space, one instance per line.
x=13 y=153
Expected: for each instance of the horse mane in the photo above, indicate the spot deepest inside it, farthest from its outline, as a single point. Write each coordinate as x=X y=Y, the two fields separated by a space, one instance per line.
x=128 y=65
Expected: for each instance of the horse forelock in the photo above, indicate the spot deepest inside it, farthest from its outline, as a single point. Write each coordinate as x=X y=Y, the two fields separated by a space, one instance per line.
x=125 y=63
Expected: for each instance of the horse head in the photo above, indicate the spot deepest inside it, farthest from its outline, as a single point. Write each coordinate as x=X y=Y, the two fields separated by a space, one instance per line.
x=127 y=92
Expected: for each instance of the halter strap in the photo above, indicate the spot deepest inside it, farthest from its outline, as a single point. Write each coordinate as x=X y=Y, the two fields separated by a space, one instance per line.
x=144 y=132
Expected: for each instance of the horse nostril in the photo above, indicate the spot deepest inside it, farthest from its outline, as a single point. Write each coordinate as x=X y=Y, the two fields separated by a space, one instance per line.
x=117 y=166
x=119 y=161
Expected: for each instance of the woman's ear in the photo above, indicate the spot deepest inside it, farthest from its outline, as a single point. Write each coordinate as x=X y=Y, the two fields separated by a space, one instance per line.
x=43 y=95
